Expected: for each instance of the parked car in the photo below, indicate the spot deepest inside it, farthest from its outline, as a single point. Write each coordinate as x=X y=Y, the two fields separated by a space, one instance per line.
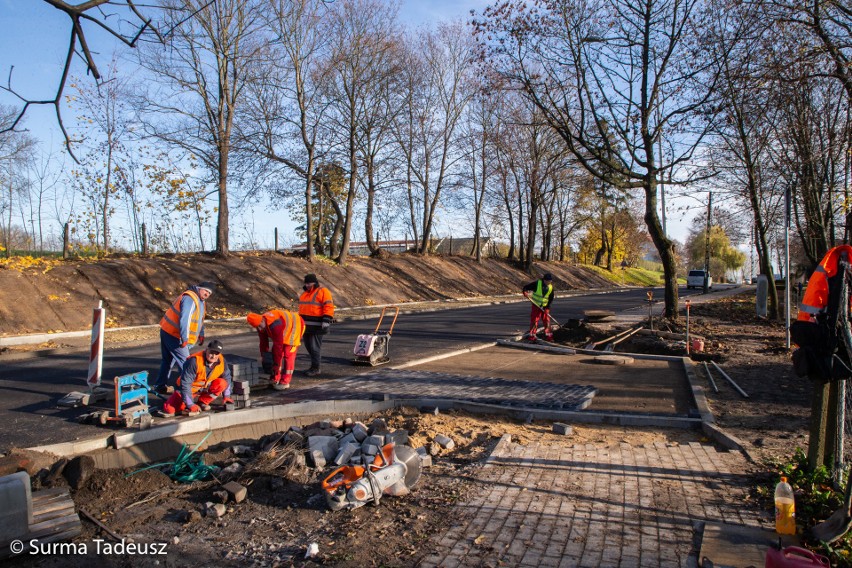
x=695 y=279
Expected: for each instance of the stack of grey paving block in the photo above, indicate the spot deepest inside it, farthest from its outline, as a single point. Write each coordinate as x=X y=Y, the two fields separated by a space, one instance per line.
x=241 y=393
x=245 y=369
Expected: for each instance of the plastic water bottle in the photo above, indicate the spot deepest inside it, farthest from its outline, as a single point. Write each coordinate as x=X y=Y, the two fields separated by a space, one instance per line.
x=785 y=508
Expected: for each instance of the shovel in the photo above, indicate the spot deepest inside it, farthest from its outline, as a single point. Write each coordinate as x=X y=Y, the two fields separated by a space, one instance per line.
x=834 y=527
x=552 y=319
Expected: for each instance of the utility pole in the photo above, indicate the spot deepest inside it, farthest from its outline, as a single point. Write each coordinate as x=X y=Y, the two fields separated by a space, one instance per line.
x=707 y=244
x=787 y=214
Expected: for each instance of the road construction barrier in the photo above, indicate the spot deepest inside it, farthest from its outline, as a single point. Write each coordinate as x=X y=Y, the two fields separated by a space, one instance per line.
x=96 y=353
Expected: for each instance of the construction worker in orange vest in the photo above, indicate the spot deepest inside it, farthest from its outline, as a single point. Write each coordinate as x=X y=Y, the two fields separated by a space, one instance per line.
x=815 y=300
x=181 y=328
x=284 y=329
x=317 y=309
x=205 y=376
x=540 y=293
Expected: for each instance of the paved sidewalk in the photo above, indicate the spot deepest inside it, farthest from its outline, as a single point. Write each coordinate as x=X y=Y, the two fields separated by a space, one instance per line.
x=591 y=505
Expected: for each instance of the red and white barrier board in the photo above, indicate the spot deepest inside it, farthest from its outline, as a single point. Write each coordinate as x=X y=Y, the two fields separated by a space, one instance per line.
x=96 y=354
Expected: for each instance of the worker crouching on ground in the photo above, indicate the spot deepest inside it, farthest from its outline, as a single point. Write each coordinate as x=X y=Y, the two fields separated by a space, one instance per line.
x=540 y=293
x=181 y=328
x=205 y=376
x=317 y=309
x=284 y=329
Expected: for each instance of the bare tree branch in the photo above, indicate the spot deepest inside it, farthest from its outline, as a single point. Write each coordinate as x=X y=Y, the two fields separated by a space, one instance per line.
x=77 y=14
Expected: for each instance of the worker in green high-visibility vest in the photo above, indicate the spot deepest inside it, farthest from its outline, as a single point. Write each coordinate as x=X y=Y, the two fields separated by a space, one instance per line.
x=540 y=293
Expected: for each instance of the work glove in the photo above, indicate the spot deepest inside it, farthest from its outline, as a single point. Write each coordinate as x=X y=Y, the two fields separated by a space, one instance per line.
x=200 y=340
x=184 y=344
x=194 y=409
x=527 y=294
x=326 y=325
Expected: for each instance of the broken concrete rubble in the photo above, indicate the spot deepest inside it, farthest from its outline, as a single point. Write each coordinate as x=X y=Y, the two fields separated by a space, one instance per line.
x=445 y=442
x=236 y=491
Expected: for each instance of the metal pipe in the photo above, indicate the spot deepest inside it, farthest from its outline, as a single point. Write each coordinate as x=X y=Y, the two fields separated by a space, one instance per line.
x=709 y=376
x=730 y=380
x=626 y=336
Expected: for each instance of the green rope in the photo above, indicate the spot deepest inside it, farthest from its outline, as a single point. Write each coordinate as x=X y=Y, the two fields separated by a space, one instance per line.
x=187 y=467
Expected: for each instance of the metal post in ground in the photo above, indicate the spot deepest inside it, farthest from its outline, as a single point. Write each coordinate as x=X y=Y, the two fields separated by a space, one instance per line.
x=687 y=328
x=650 y=295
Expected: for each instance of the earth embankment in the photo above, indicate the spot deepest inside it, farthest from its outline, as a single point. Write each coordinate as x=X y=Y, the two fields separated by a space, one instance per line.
x=60 y=295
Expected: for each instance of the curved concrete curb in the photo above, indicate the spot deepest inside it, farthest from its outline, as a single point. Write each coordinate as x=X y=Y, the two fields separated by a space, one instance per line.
x=126 y=449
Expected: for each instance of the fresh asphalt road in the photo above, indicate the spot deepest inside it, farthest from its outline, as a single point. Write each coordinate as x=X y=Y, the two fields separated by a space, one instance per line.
x=31 y=387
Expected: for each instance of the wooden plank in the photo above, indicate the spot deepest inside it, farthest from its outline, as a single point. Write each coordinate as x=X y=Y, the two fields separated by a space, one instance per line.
x=40 y=509
x=52 y=493
x=52 y=524
x=58 y=515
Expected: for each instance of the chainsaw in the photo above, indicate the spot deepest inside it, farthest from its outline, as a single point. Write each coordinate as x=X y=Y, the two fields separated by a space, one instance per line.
x=394 y=471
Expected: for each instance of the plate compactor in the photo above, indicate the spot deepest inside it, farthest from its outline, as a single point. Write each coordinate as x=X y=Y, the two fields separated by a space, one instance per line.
x=372 y=348
x=394 y=471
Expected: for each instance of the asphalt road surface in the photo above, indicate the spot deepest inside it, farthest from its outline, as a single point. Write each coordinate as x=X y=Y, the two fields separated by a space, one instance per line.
x=31 y=387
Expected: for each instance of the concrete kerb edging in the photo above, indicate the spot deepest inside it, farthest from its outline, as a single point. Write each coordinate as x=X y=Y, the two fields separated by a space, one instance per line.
x=444 y=355
x=223 y=421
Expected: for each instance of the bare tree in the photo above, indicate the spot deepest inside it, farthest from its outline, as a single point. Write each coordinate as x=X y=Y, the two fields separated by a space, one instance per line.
x=201 y=77
x=480 y=132
x=440 y=88
x=364 y=38
x=829 y=22
x=123 y=21
x=285 y=105
x=16 y=151
x=613 y=78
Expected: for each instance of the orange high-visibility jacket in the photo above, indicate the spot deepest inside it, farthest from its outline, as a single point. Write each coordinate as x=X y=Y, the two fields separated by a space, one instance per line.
x=291 y=331
x=315 y=305
x=202 y=378
x=171 y=320
x=815 y=300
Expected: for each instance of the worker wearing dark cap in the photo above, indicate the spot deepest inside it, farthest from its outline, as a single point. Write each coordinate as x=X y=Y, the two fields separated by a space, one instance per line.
x=317 y=309
x=181 y=328
x=205 y=376
x=540 y=293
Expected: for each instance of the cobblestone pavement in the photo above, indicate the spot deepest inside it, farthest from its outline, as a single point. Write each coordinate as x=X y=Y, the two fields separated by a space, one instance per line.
x=428 y=384
x=589 y=505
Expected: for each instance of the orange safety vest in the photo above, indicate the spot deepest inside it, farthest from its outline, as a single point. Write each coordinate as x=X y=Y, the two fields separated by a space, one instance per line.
x=202 y=379
x=294 y=326
x=316 y=304
x=171 y=321
x=815 y=300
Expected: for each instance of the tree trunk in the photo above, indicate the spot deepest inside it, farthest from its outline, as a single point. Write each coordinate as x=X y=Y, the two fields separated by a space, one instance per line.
x=222 y=221
x=309 y=212
x=664 y=246
x=371 y=195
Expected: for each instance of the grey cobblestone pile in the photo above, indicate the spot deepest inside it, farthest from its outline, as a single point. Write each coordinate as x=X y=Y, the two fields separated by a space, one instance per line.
x=425 y=384
x=589 y=505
